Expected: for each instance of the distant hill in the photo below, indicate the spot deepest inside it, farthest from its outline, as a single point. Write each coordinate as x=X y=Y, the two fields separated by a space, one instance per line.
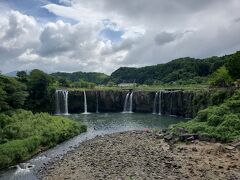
x=98 y=78
x=11 y=74
x=183 y=69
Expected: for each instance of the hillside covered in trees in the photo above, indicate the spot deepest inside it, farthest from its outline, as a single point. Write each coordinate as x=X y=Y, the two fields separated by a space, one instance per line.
x=182 y=71
x=185 y=70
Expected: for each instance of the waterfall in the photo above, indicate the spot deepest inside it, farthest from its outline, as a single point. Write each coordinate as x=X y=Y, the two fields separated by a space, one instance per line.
x=97 y=102
x=155 y=103
x=85 y=103
x=125 y=103
x=61 y=102
x=65 y=94
x=160 y=103
x=128 y=103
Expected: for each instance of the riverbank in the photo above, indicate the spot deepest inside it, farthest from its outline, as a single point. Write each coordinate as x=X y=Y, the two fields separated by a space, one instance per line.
x=24 y=134
x=145 y=155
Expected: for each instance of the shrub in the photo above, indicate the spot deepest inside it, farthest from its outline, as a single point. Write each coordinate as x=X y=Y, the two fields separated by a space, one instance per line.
x=214 y=120
x=23 y=132
x=221 y=123
x=15 y=151
x=221 y=78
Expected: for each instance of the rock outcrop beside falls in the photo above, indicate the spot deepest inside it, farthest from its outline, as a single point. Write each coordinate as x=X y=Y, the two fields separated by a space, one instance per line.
x=178 y=103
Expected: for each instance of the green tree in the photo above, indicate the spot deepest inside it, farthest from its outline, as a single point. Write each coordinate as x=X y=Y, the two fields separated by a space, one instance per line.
x=39 y=91
x=64 y=82
x=221 y=78
x=12 y=93
x=233 y=65
x=22 y=76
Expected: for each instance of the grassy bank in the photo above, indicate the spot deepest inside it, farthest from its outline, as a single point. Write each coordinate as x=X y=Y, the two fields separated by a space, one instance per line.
x=221 y=122
x=23 y=134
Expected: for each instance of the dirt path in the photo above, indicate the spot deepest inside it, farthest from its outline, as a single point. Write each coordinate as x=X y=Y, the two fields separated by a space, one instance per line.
x=145 y=155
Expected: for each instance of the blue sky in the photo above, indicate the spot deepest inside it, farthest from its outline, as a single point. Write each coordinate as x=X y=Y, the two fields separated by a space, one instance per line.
x=36 y=9
x=32 y=8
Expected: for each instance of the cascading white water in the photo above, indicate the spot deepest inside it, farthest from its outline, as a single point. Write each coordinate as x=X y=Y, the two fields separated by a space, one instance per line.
x=155 y=103
x=65 y=93
x=61 y=101
x=160 y=103
x=85 y=103
x=97 y=103
x=128 y=103
x=125 y=103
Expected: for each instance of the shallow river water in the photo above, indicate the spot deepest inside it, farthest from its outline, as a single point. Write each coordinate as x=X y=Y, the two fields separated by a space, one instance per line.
x=98 y=124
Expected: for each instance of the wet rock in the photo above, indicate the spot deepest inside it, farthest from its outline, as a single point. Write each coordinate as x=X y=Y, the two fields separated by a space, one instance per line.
x=188 y=137
x=236 y=144
x=168 y=137
x=159 y=136
x=229 y=147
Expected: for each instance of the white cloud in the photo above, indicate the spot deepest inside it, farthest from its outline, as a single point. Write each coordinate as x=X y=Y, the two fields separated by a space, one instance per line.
x=154 y=31
x=29 y=56
x=18 y=33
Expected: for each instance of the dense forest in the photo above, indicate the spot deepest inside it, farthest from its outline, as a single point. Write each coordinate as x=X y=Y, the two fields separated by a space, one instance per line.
x=183 y=70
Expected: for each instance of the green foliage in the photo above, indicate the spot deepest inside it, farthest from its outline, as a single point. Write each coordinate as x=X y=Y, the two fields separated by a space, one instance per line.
x=183 y=70
x=219 y=95
x=12 y=93
x=180 y=71
x=64 y=82
x=16 y=151
x=93 y=77
x=233 y=65
x=83 y=84
x=219 y=122
x=22 y=76
x=23 y=133
x=39 y=88
x=221 y=77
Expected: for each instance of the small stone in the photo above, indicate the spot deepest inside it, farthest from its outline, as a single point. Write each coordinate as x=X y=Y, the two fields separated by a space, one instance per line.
x=236 y=144
x=229 y=147
x=194 y=149
x=158 y=136
x=168 y=137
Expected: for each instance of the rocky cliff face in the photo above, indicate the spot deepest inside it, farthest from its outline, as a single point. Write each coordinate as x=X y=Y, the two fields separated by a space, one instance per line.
x=178 y=103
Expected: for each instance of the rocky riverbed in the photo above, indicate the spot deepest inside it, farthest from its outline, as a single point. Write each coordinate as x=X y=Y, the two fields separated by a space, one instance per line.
x=145 y=155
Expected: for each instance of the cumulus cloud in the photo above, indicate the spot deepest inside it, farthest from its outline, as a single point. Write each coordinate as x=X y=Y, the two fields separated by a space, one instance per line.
x=18 y=33
x=55 y=46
